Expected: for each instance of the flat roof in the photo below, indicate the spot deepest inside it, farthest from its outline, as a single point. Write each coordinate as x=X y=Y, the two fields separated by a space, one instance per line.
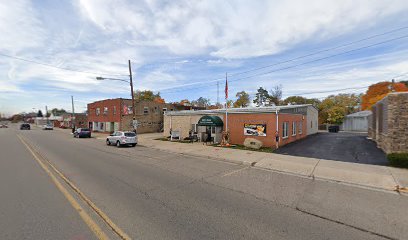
x=271 y=109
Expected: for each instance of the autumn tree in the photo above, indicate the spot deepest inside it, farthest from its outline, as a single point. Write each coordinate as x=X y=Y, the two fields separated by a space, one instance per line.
x=333 y=108
x=242 y=99
x=147 y=95
x=378 y=91
x=185 y=102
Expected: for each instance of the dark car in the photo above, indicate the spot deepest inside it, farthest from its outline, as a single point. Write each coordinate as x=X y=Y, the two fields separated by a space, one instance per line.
x=82 y=132
x=25 y=126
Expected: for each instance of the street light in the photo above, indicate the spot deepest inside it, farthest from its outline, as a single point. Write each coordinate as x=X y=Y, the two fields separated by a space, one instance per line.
x=130 y=81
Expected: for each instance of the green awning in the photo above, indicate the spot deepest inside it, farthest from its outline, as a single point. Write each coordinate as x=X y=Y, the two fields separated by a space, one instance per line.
x=210 y=121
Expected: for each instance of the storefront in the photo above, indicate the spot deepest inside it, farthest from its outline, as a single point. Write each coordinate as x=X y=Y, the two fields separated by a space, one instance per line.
x=209 y=128
x=291 y=123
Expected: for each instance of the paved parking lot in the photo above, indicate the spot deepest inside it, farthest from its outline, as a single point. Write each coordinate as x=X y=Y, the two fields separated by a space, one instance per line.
x=342 y=146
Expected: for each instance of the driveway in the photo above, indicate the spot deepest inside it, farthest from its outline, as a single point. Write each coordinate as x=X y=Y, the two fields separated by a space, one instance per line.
x=341 y=146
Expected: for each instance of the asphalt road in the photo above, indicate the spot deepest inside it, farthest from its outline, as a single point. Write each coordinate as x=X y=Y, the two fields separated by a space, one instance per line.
x=341 y=146
x=151 y=194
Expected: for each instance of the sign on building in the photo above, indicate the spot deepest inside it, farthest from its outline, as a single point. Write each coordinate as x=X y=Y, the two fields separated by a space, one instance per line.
x=251 y=129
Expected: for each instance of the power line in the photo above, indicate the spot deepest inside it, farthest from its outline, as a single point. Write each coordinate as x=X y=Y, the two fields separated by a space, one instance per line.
x=297 y=58
x=319 y=59
x=300 y=64
x=57 y=67
x=321 y=51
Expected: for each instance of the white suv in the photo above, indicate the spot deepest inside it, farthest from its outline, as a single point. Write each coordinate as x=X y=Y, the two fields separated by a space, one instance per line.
x=120 y=138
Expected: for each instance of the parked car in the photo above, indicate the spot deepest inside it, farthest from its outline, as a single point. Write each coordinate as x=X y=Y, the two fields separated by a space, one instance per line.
x=3 y=125
x=25 y=126
x=120 y=138
x=82 y=132
x=48 y=127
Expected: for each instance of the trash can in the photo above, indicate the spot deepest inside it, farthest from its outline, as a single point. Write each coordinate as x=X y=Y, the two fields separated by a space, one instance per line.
x=334 y=129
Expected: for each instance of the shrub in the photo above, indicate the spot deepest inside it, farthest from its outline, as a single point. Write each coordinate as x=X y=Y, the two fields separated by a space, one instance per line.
x=398 y=159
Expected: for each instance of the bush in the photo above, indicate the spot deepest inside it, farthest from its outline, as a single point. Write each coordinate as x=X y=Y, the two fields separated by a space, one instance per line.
x=398 y=159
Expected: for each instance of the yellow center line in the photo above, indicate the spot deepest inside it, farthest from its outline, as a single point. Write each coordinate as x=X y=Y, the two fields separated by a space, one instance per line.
x=92 y=225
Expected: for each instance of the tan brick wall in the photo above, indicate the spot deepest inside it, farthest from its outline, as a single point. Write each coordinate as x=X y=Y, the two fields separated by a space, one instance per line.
x=181 y=123
x=394 y=136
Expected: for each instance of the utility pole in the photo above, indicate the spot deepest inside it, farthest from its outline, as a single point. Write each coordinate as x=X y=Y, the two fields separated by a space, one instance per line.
x=73 y=114
x=46 y=113
x=133 y=97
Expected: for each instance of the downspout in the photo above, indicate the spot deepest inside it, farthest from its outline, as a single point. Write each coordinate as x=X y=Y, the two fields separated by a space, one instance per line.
x=277 y=119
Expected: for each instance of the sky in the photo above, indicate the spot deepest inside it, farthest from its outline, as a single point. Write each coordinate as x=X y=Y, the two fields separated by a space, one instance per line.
x=52 y=50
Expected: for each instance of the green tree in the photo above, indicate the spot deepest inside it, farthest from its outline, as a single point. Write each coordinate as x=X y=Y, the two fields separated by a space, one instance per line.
x=58 y=112
x=261 y=97
x=40 y=114
x=201 y=102
x=242 y=99
x=301 y=100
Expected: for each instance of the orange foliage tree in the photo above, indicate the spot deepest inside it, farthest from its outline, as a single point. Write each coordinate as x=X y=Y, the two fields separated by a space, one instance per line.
x=378 y=91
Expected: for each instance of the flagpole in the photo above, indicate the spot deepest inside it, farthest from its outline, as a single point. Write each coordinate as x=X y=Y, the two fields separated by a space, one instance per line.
x=226 y=102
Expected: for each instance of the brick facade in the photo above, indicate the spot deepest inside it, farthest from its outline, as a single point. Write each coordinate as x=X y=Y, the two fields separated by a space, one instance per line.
x=184 y=121
x=388 y=125
x=116 y=115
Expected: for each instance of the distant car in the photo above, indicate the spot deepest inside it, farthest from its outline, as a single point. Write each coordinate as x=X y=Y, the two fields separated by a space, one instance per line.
x=120 y=138
x=3 y=125
x=48 y=127
x=82 y=132
x=25 y=126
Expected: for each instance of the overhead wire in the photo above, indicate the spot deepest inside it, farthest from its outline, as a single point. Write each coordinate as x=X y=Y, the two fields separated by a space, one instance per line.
x=57 y=67
x=299 y=57
x=297 y=65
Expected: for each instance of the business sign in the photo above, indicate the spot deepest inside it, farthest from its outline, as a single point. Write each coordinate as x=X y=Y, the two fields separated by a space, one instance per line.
x=251 y=129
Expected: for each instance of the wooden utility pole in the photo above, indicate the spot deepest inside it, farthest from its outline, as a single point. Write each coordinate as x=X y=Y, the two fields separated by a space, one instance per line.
x=133 y=96
x=73 y=114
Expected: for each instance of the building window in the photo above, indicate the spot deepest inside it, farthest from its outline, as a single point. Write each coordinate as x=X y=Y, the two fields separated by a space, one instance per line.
x=146 y=110
x=285 y=130
x=97 y=111
x=300 y=127
x=164 y=110
x=105 y=110
x=114 y=110
x=293 y=128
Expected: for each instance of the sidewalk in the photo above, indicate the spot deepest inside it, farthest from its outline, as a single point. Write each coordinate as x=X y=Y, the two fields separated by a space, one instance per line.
x=372 y=176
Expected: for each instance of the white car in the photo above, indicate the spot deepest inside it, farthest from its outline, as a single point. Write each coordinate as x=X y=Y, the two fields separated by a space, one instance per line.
x=120 y=138
x=48 y=127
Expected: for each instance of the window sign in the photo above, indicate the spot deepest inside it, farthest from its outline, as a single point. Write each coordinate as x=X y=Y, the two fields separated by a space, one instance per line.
x=251 y=129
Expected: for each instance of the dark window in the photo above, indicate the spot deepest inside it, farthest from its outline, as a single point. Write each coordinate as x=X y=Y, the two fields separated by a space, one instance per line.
x=130 y=134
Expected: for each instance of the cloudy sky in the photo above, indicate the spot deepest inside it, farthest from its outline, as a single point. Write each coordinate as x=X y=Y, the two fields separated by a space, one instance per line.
x=50 y=50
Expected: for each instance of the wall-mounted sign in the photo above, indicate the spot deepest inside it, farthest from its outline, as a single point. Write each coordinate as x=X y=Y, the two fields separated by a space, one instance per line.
x=251 y=129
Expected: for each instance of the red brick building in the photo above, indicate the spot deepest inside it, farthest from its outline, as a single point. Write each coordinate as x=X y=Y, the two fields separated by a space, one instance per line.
x=292 y=123
x=117 y=115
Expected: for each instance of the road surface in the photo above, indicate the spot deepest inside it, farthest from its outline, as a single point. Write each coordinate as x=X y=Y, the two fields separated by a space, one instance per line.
x=149 y=194
x=341 y=146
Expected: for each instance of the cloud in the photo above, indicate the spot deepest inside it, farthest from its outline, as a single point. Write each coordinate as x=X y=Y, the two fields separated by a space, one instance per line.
x=19 y=26
x=241 y=29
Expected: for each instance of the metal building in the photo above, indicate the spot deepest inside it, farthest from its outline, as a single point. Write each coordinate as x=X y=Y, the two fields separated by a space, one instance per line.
x=356 y=122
